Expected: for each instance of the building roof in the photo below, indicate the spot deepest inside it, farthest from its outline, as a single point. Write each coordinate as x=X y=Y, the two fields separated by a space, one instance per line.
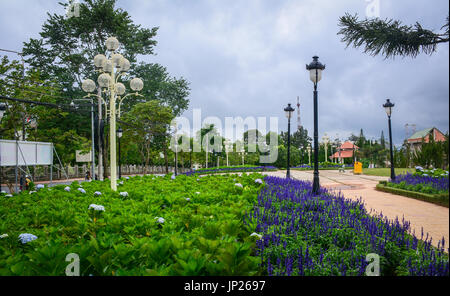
x=421 y=134
x=348 y=145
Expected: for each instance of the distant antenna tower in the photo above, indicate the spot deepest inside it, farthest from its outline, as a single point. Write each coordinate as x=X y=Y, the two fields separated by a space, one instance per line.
x=299 y=124
x=413 y=128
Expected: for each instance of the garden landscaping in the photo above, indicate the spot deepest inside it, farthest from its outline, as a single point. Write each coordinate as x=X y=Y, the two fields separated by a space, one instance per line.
x=232 y=169
x=322 y=166
x=426 y=185
x=214 y=225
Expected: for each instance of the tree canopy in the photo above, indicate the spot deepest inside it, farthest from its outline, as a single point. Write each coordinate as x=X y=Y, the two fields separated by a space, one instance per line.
x=389 y=37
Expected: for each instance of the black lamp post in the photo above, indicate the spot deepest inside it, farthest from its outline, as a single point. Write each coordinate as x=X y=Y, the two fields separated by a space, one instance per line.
x=388 y=108
x=2 y=112
x=315 y=69
x=289 y=110
x=119 y=135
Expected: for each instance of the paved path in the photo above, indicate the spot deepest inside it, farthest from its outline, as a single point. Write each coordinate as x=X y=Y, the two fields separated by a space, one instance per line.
x=433 y=218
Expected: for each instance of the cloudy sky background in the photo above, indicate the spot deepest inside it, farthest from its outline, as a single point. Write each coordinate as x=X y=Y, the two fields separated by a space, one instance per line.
x=247 y=58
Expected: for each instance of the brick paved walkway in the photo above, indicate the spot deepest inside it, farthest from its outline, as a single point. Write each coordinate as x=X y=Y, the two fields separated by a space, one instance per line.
x=433 y=218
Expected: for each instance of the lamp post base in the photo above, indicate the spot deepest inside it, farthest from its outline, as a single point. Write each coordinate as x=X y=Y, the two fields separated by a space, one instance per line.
x=316 y=185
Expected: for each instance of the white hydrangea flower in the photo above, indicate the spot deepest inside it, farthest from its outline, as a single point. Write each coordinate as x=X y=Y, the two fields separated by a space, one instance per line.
x=160 y=220
x=197 y=193
x=238 y=185
x=256 y=234
x=258 y=181
x=3 y=191
x=173 y=177
x=31 y=192
x=5 y=235
x=128 y=178
x=8 y=195
x=27 y=237
x=124 y=194
x=188 y=199
x=419 y=168
x=40 y=186
x=82 y=190
x=426 y=175
x=97 y=193
x=67 y=189
x=97 y=207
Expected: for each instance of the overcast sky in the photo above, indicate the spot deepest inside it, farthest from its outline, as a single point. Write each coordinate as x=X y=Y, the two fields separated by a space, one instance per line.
x=247 y=58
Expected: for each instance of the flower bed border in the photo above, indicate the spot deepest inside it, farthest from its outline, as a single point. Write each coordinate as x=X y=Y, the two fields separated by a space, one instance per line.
x=438 y=199
x=322 y=169
x=243 y=170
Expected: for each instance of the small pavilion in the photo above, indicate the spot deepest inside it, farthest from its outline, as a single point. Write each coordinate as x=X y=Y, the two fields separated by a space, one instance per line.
x=346 y=150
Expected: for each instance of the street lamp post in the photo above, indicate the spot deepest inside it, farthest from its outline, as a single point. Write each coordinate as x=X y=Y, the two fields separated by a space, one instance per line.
x=315 y=69
x=227 y=149
x=326 y=140
x=91 y=100
x=309 y=154
x=289 y=110
x=206 y=150
x=119 y=135
x=176 y=149
x=108 y=82
x=2 y=113
x=388 y=108
x=338 y=144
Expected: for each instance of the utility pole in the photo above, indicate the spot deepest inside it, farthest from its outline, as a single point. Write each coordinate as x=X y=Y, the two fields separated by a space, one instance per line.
x=207 y=147
x=299 y=124
x=99 y=134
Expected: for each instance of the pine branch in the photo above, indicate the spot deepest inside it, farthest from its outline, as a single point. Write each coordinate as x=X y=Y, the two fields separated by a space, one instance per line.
x=389 y=37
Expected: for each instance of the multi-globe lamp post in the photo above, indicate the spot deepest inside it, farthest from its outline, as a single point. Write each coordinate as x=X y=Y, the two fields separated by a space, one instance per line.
x=315 y=69
x=388 y=108
x=108 y=81
x=288 y=111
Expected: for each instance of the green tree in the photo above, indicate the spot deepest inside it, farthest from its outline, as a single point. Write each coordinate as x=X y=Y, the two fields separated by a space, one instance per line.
x=382 y=140
x=67 y=46
x=49 y=121
x=147 y=125
x=389 y=37
x=160 y=86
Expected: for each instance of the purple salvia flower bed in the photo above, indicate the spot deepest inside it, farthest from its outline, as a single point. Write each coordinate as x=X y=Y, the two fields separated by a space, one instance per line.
x=440 y=184
x=326 y=234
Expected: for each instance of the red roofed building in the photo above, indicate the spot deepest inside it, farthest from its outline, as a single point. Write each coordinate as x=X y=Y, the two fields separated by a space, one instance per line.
x=344 y=151
x=424 y=135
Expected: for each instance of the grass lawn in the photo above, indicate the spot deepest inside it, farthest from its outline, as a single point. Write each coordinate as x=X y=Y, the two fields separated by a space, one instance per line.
x=386 y=172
